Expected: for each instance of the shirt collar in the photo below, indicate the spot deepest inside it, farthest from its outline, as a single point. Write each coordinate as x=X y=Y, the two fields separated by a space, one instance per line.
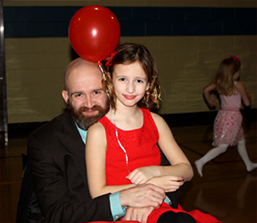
x=82 y=132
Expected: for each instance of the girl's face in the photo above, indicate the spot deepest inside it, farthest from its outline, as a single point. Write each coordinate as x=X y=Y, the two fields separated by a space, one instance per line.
x=236 y=75
x=130 y=83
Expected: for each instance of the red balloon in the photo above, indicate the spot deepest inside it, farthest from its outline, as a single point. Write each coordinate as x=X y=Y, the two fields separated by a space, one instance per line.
x=94 y=32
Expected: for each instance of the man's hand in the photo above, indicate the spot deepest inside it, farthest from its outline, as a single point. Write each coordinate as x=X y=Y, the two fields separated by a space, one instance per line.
x=143 y=195
x=138 y=214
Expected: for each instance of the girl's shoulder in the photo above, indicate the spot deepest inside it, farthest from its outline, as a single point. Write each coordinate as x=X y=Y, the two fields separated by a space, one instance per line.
x=240 y=86
x=160 y=123
x=239 y=83
x=155 y=115
x=157 y=118
x=96 y=128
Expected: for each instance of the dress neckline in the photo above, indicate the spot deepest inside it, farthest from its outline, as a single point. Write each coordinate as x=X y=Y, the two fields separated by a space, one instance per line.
x=137 y=129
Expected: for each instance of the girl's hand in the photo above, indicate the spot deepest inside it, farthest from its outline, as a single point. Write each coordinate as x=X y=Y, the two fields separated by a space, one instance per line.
x=212 y=103
x=141 y=175
x=168 y=183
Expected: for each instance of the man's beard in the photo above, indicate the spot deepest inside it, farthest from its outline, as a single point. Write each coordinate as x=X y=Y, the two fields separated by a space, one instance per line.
x=84 y=121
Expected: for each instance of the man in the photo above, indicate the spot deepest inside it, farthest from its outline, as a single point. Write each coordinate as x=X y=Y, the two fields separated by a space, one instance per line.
x=57 y=159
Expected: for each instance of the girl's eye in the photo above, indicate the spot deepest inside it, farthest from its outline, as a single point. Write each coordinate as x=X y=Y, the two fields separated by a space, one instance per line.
x=122 y=79
x=139 y=81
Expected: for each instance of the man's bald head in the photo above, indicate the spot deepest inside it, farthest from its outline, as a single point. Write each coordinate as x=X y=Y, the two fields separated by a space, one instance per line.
x=77 y=65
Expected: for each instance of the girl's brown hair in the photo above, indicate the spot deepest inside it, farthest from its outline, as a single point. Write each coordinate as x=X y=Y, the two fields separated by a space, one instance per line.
x=128 y=53
x=224 y=76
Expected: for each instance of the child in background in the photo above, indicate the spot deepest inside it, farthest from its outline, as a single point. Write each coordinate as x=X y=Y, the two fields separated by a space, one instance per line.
x=121 y=149
x=227 y=127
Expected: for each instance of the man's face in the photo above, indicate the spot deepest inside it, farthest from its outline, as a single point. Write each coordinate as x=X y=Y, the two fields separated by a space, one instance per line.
x=83 y=120
x=86 y=100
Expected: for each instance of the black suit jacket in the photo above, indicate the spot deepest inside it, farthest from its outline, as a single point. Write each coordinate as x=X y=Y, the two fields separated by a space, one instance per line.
x=57 y=162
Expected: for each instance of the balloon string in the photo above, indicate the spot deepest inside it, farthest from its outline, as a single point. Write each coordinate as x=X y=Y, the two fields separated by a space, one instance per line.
x=100 y=66
x=117 y=137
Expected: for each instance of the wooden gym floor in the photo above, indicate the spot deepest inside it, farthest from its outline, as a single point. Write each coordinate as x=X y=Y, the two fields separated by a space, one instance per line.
x=226 y=190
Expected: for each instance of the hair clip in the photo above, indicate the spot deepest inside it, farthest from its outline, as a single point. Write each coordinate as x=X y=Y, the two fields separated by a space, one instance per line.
x=235 y=58
x=109 y=62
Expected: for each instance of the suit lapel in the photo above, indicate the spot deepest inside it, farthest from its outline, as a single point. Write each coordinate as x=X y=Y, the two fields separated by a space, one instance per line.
x=73 y=142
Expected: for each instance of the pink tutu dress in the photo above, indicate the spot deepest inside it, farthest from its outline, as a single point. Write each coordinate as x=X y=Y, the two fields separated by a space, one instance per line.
x=228 y=122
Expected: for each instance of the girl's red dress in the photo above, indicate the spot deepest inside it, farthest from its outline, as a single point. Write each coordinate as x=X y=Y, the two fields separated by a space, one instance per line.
x=140 y=149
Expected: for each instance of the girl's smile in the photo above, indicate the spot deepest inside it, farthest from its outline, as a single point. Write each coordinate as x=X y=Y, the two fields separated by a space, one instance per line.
x=129 y=97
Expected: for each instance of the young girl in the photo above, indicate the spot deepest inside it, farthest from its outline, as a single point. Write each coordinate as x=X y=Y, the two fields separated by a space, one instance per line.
x=121 y=149
x=228 y=129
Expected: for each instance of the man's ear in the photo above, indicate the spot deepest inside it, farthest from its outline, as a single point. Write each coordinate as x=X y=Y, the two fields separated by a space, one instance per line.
x=65 y=95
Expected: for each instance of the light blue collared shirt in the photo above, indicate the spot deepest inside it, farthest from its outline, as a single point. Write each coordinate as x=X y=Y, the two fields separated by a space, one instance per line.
x=115 y=205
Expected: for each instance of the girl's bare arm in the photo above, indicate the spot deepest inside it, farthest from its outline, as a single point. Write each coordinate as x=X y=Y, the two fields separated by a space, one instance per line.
x=207 y=94
x=180 y=165
x=95 y=162
x=242 y=89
